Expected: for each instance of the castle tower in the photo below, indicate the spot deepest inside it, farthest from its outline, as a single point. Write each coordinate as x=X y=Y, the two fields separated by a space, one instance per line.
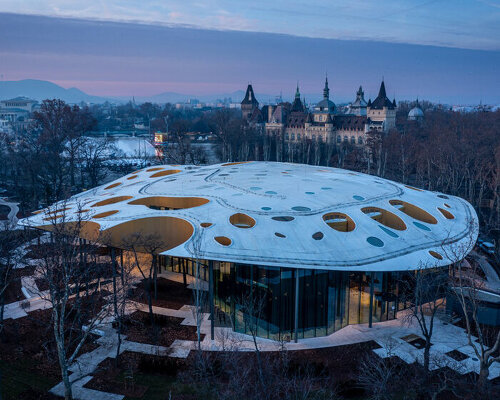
x=382 y=112
x=358 y=106
x=249 y=103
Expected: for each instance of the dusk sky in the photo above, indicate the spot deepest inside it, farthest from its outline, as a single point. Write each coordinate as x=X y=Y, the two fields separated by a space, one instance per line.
x=445 y=51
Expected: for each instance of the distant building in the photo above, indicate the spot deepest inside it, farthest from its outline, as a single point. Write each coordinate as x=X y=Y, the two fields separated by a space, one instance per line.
x=249 y=104
x=17 y=111
x=358 y=107
x=295 y=122
x=382 y=112
x=416 y=114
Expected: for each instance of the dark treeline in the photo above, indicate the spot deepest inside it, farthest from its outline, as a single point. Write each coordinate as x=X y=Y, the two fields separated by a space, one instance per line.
x=455 y=153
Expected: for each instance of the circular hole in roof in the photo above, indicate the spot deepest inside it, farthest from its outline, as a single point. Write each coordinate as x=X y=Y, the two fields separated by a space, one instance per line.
x=266 y=208
x=309 y=192
x=260 y=174
x=301 y=208
x=84 y=229
x=206 y=224
x=442 y=196
x=375 y=241
x=235 y=163
x=325 y=188
x=384 y=217
x=339 y=221
x=223 y=240
x=280 y=235
x=154 y=169
x=223 y=174
x=271 y=192
x=164 y=232
x=388 y=231
x=255 y=188
x=435 y=254
x=238 y=194
x=105 y=214
x=283 y=218
x=170 y=203
x=447 y=205
x=421 y=226
x=111 y=200
x=413 y=211
x=414 y=188
x=205 y=187
x=241 y=220
x=165 y=173
x=132 y=177
x=380 y=183
x=318 y=236
x=113 y=185
x=446 y=213
x=359 y=198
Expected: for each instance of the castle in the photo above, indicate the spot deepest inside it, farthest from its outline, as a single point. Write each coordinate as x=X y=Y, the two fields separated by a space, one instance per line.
x=295 y=122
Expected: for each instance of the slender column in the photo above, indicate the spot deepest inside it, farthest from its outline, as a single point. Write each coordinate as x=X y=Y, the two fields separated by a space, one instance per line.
x=211 y=297
x=296 y=306
x=370 y=317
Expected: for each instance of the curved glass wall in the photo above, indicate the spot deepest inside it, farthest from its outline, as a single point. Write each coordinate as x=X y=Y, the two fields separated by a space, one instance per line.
x=263 y=300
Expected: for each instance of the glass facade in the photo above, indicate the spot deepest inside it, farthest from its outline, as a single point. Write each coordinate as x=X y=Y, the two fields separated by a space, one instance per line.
x=279 y=303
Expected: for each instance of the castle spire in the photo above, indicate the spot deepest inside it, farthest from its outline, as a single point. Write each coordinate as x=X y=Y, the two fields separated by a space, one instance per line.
x=381 y=93
x=297 y=92
x=326 y=90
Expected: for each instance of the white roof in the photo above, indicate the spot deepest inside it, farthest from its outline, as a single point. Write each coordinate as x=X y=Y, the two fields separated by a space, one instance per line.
x=263 y=190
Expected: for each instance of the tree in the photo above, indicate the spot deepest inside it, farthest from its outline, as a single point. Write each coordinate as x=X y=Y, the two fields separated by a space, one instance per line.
x=467 y=288
x=75 y=312
x=10 y=258
x=93 y=153
x=151 y=245
x=426 y=291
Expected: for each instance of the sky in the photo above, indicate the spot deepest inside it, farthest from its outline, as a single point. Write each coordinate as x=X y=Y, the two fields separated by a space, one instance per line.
x=471 y=24
x=446 y=51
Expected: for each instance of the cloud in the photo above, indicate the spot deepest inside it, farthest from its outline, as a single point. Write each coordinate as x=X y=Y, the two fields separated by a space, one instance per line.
x=473 y=24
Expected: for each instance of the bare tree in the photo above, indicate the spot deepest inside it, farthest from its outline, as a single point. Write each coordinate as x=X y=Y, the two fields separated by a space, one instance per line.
x=151 y=245
x=74 y=314
x=426 y=292
x=469 y=291
x=10 y=258
x=199 y=289
x=252 y=305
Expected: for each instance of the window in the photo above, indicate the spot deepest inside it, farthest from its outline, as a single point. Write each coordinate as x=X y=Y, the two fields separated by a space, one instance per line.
x=286 y=136
x=345 y=139
x=313 y=137
x=360 y=140
x=339 y=139
x=298 y=136
x=353 y=140
x=293 y=136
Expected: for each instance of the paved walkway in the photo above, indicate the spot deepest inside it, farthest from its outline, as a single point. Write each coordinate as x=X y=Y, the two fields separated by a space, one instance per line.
x=14 y=209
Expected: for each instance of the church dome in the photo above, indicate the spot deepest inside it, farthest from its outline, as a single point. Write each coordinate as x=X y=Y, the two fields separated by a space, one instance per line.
x=415 y=113
x=325 y=105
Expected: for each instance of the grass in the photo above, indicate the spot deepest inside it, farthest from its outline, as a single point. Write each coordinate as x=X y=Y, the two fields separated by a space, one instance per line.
x=16 y=378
